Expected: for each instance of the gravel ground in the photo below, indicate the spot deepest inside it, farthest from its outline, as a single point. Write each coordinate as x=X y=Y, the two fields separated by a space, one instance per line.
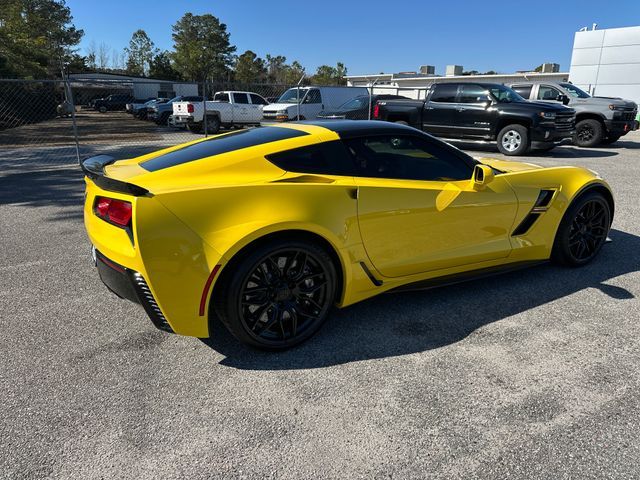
x=529 y=375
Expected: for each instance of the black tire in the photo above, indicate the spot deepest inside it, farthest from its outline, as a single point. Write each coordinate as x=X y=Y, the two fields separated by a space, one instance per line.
x=290 y=304
x=582 y=230
x=195 y=127
x=102 y=109
x=589 y=133
x=611 y=139
x=213 y=124
x=162 y=119
x=513 y=140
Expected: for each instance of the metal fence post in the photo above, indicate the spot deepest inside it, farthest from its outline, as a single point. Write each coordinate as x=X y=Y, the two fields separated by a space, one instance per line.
x=204 y=107
x=298 y=96
x=69 y=95
x=371 y=96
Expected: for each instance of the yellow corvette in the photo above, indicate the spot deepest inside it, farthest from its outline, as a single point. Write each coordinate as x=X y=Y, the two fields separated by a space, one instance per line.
x=270 y=227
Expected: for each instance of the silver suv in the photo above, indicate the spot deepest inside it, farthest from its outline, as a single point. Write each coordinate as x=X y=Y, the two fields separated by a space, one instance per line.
x=598 y=119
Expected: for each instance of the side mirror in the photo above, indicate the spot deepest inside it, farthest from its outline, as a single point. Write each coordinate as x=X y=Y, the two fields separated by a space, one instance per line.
x=563 y=98
x=482 y=176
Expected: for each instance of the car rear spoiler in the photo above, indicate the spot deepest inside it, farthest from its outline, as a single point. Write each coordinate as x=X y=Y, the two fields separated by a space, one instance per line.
x=93 y=167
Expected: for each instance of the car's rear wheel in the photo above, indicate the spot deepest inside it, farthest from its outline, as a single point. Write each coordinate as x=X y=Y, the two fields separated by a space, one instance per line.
x=213 y=124
x=589 y=133
x=582 y=231
x=513 y=140
x=278 y=295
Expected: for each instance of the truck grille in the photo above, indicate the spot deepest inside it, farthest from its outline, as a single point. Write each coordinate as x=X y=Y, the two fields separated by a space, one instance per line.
x=629 y=114
x=565 y=121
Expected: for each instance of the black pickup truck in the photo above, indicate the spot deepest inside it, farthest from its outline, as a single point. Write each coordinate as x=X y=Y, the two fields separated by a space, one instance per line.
x=483 y=112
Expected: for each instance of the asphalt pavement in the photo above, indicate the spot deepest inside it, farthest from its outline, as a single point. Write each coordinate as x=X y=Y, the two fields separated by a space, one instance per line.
x=534 y=374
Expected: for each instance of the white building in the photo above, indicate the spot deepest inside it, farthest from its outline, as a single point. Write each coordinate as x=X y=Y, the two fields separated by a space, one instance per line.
x=606 y=62
x=414 y=85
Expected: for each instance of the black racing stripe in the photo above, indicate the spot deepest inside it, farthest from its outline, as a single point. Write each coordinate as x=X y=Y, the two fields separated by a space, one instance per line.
x=221 y=144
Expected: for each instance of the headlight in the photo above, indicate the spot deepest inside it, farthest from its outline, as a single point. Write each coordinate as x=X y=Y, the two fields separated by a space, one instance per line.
x=548 y=115
x=614 y=107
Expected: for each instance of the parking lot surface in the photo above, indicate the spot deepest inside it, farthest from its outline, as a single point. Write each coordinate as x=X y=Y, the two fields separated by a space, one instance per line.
x=533 y=374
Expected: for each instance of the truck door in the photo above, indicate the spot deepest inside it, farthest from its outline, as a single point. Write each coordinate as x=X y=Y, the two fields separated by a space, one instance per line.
x=311 y=104
x=241 y=108
x=474 y=113
x=438 y=110
x=547 y=93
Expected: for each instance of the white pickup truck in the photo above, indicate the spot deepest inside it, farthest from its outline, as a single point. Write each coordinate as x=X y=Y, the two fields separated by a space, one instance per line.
x=228 y=109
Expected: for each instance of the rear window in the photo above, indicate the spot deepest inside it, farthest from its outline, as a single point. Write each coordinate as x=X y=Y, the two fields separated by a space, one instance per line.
x=329 y=158
x=222 y=144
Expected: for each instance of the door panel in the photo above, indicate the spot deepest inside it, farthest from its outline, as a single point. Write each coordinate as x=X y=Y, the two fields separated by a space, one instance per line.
x=410 y=226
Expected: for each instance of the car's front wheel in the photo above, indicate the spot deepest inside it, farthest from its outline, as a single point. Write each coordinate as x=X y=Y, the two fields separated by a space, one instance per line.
x=278 y=295
x=582 y=231
x=513 y=140
x=589 y=133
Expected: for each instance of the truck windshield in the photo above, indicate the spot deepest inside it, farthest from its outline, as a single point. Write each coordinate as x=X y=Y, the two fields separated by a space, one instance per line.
x=291 y=95
x=504 y=94
x=574 y=91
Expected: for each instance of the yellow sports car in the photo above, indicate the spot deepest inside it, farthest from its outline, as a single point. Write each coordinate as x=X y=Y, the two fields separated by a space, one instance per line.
x=270 y=227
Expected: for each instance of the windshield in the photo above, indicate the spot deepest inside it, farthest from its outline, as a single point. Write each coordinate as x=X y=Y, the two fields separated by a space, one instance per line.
x=354 y=103
x=504 y=94
x=175 y=99
x=291 y=95
x=574 y=91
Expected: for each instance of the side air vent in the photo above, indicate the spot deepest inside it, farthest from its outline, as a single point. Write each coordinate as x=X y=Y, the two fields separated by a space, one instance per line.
x=149 y=303
x=541 y=206
x=526 y=224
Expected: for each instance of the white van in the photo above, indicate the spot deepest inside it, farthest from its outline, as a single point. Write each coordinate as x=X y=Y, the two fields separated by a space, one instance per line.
x=312 y=101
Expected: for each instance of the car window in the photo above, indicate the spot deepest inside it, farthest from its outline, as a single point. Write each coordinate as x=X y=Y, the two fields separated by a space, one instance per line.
x=313 y=96
x=257 y=99
x=240 y=98
x=407 y=158
x=523 y=90
x=329 y=158
x=474 y=94
x=548 y=93
x=444 y=93
x=221 y=144
x=221 y=97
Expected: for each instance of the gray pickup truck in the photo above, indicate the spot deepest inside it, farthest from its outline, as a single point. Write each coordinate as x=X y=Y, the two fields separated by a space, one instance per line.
x=599 y=120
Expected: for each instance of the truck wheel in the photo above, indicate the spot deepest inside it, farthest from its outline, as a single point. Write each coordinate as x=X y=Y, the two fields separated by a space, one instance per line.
x=102 y=109
x=513 y=140
x=213 y=124
x=611 y=139
x=194 y=127
x=589 y=133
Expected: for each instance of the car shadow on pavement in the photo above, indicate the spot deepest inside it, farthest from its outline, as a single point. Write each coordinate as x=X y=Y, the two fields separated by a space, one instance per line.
x=403 y=323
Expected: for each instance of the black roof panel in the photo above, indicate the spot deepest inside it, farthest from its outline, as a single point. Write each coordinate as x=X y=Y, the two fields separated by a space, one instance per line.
x=358 y=128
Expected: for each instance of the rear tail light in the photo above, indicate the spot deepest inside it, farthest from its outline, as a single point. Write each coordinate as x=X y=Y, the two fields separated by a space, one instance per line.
x=190 y=108
x=116 y=212
x=376 y=111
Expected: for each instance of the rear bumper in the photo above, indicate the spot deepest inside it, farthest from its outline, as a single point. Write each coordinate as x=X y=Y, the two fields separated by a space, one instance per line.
x=130 y=285
x=182 y=119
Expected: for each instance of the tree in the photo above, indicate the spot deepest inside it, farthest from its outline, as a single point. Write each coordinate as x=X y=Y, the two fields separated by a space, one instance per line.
x=276 y=68
x=327 y=75
x=202 y=50
x=139 y=53
x=104 y=52
x=36 y=37
x=162 y=68
x=92 y=55
x=293 y=73
x=250 y=68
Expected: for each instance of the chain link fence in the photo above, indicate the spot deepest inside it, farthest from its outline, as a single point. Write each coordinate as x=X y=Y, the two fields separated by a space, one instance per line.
x=44 y=123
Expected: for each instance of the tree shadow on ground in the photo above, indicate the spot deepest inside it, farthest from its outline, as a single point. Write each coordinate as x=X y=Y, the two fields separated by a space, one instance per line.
x=403 y=323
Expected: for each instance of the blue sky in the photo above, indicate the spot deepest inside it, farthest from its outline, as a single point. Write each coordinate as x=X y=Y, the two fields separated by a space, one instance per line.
x=372 y=36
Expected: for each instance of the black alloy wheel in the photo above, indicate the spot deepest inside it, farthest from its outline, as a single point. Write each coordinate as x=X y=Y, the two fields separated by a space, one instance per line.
x=589 y=133
x=279 y=298
x=583 y=230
